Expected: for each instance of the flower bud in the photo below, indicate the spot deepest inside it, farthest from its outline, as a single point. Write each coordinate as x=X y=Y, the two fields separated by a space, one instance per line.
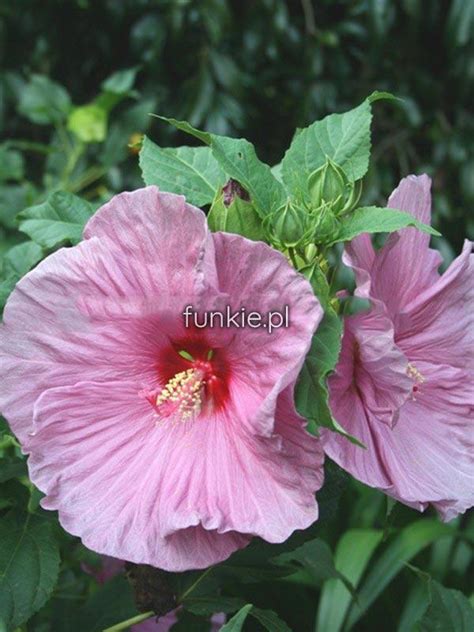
x=326 y=224
x=330 y=185
x=289 y=226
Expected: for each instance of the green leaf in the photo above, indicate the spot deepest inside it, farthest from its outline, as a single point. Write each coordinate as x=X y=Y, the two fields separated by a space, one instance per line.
x=239 y=217
x=316 y=557
x=235 y=624
x=17 y=262
x=120 y=82
x=11 y=467
x=344 y=138
x=311 y=394
x=116 y=88
x=60 y=219
x=88 y=123
x=270 y=620
x=186 y=127
x=29 y=565
x=238 y=159
x=374 y=219
x=44 y=102
x=109 y=605
x=11 y=164
x=189 y=171
x=449 y=611
x=407 y=544
x=353 y=553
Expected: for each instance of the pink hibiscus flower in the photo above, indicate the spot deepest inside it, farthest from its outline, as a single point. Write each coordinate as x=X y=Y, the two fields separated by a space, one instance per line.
x=404 y=381
x=156 y=443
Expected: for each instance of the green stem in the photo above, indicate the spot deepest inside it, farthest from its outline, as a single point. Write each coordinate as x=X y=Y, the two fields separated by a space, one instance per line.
x=292 y=255
x=123 y=625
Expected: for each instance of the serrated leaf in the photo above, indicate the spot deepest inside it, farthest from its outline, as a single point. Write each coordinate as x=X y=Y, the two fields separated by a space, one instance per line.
x=11 y=467
x=235 y=624
x=29 y=565
x=374 y=219
x=189 y=171
x=352 y=555
x=58 y=220
x=405 y=546
x=44 y=101
x=237 y=157
x=344 y=138
x=449 y=611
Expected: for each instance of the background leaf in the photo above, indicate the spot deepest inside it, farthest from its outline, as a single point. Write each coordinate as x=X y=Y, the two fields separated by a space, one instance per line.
x=29 y=565
x=60 y=219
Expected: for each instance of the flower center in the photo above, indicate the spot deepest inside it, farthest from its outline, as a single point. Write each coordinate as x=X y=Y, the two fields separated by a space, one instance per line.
x=417 y=378
x=195 y=379
x=182 y=397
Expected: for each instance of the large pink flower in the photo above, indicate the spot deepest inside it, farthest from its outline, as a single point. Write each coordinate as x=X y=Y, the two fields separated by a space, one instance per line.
x=404 y=382
x=156 y=443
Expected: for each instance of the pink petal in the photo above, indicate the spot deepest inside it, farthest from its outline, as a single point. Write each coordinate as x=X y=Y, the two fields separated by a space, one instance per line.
x=173 y=496
x=438 y=325
x=253 y=275
x=71 y=316
x=405 y=265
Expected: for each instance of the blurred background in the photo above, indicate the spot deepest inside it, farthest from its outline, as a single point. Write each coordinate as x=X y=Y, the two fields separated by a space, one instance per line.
x=78 y=79
x=249 y=68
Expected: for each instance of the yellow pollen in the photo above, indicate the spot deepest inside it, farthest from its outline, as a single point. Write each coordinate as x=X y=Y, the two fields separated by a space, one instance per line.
x=415 y=375
x=181 y=398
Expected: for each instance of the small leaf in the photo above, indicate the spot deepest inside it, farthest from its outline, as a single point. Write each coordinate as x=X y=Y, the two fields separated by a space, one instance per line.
x=316 y=557
x=11 y=164
x=43 y=101
x=449 y=611
x=120 y=82
x=189 y=171
x=29 y=565
x=373 y=219
x=235 y=624
x=60 y=219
